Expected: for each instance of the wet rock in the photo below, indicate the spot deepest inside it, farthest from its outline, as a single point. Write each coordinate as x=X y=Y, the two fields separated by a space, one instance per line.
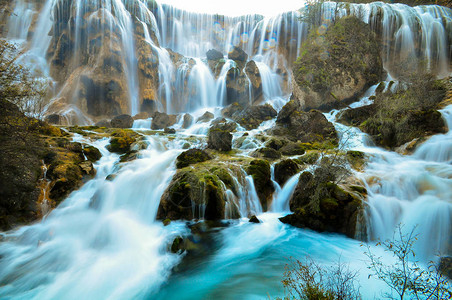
x=267 y=153
x=193 y=193
x=239 y=56
x=206 y=117
x=160 y=121
x=252 y=71
x=54 y=119
x=122 y=121
x=254 y=219
x=213 y=54
x=141 y=116
x=305 y=127
x=292 y=148
x=87 y=168
x=231 y=109
x=323 y=205
x=92 y=153
x=220 y=137
x=104 y=123
x=188 y=121
x=332 y=73
x=224 y=124
x=445 y=266
x=121 y=141
x=249 y=117
x=191 y=156
x=178 y=245
x=169 y=130
x=356 y=116
x=237 y=87
x=284 y=170
x=260 y=171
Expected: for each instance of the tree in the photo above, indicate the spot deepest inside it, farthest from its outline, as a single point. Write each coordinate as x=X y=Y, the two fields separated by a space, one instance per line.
x=405 y=277
x=18 y=85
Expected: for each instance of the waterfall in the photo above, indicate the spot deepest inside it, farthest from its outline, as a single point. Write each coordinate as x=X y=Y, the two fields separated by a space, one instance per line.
x=421 y=32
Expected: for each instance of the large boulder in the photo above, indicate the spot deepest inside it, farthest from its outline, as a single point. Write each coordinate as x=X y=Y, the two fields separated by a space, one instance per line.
x=305 y=127
x=197 y=192
x=249 y=117
x=337 y=67
x=121 y=141
x=237 y=87
x=191 y=156
x=188 y=121
x=323 y=205
x=206 y=117
x=238 y=56
x=122 y=121
x=220 y=137
x=395 y=119
x=215 y=60
x=285 y=170
x=161 y=120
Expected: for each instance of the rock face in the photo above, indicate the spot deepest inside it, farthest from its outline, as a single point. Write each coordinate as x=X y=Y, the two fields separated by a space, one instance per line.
x=249 y=117
x=25 y=143
x=323 y=205
x=220 y=137
x=20 y=161
x=260 y=171
x=305 y=127
x=83 y=58
x=334 y=69
x=122 y=121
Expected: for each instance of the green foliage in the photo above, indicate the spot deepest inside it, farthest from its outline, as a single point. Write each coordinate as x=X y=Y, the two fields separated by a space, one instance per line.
x=335 y=47
x=307 y=280
x=18 y=85
x=409 y=112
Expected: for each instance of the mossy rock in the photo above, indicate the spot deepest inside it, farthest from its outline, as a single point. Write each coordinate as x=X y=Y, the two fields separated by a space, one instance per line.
x=309 y=158
x=197 y=192
x=92 y=153
x=327 y=206
x=356 y=159
x=267 y=153
x=260 y=171
x=121 y=141
x=337 y=67
x=191 y=156
x=285 y=170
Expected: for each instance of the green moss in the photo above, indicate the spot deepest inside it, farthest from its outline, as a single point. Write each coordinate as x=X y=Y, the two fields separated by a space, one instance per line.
x=191 y=156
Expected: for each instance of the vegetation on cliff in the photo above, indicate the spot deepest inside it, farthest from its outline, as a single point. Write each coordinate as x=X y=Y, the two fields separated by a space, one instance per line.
x=336 y=64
